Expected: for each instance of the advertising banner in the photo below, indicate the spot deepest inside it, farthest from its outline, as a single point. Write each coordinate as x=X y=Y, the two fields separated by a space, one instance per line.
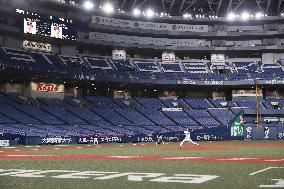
x=37 y=46
x=4 y=143
x=56 y=140
x=280 y=132
x=118 y=54
x=146 y=40
x=47 y=87
x=262 y=133
x=218 y=58
x=168 y=57
x=148 y=25
x=237 y=128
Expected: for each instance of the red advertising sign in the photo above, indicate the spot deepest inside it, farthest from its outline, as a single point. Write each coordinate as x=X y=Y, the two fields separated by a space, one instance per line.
x=50 y=87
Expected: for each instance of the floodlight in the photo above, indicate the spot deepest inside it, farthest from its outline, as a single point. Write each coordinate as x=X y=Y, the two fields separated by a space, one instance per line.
x=136 y=12
x=108 y=8
x=231 y=16
x=258 y=15
x=186 y=15
x=150 y=13
x=88 y=5
x=245 y=16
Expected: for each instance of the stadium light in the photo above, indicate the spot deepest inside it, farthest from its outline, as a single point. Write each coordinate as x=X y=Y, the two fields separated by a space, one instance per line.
x=150 y=13
x=108 y=8
x=258 y=15
x=186 y=15
x=88 y=5
x=231 y=16
x=245 y=16
x=136 y=12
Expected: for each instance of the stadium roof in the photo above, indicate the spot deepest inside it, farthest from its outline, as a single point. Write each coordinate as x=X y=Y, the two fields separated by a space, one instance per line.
x=205 y=7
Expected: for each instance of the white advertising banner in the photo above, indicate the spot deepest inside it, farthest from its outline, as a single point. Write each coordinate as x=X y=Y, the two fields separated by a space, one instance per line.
x=148 y=25
x=168 y=57
x=4 y=142
x=118 y=54
x=47 y=87
x=37 y=45
x=146 y=40
x=218 y=58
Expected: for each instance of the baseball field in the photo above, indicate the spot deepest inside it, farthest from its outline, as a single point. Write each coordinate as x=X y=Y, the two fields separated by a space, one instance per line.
x=218 y=164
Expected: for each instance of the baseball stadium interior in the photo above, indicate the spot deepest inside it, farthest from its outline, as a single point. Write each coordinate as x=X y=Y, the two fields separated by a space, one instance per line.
x=156 y=94
x=84 y=68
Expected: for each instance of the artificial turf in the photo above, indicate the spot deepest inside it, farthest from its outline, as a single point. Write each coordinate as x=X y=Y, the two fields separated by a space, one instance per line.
x=230 y=174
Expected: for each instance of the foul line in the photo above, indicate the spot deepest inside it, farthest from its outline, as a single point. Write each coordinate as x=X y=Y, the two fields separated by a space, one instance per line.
x=262 y=170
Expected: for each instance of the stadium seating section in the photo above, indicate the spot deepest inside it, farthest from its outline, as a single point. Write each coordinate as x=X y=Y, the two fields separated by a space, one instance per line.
x=109 y=116
x=103 y=68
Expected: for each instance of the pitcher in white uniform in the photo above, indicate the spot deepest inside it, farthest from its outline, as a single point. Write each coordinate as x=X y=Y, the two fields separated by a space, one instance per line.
x=187 y=138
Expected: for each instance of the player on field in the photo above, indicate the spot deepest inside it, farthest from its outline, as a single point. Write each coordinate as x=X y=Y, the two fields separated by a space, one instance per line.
x=159 y=139
x=187 y=138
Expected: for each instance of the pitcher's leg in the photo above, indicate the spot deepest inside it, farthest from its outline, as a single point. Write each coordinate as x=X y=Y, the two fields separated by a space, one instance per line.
x=193 y=142
x=180 y=145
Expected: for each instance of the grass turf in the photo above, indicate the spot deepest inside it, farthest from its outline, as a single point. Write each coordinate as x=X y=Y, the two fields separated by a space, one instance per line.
x=231 y=174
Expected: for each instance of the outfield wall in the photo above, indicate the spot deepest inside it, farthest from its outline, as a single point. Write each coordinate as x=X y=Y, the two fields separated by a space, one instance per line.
x=213 y=134
x=266 y=133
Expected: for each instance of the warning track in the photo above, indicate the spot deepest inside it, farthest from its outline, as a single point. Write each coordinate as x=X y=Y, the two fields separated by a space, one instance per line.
x=276 y=160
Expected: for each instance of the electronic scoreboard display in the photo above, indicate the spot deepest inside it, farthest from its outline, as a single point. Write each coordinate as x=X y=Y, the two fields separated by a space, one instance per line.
x=49 y=28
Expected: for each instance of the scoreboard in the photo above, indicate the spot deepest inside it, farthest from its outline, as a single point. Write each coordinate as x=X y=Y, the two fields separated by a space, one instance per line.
x=45 y=28
x=48 y=26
